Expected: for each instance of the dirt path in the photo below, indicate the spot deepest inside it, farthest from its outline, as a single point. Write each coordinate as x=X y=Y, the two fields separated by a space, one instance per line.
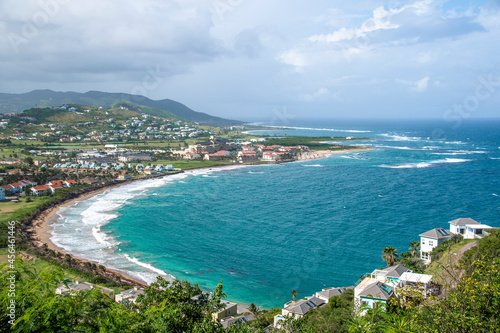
x=451 y=273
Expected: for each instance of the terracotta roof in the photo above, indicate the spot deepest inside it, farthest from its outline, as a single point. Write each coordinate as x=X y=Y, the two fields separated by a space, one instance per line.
x=41 y=187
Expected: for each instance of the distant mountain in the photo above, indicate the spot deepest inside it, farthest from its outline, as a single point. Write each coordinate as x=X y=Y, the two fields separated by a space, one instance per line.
x=10 y=103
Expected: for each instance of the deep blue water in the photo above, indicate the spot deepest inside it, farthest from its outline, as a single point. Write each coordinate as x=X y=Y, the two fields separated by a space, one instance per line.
x=266 y=230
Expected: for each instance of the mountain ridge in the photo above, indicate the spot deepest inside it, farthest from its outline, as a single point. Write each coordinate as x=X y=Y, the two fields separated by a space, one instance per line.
x=10 y=103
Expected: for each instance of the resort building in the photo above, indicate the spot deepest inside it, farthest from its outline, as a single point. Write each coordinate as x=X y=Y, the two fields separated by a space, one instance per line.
x=129 y=295
x=78 y=286
x=468 y=228
x=327 y=293
x=229 y=309
x=431 y=239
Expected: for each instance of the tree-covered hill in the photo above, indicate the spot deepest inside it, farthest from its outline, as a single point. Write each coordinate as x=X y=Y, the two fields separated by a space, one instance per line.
x=11 y=103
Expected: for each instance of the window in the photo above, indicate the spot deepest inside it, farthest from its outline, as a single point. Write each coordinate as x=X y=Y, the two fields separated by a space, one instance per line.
x=431 y=243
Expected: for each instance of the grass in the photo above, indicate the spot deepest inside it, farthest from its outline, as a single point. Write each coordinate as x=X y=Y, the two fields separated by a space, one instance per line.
x=12 y=211
x=447 y=260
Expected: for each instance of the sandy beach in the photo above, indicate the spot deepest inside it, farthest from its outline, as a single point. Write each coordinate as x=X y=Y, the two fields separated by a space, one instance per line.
x=41 y=228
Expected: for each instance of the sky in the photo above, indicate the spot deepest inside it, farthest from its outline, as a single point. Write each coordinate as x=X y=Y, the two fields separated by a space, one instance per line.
x=244 y=59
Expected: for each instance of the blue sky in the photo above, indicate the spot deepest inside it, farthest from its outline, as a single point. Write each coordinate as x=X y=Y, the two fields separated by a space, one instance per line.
x=244 y=59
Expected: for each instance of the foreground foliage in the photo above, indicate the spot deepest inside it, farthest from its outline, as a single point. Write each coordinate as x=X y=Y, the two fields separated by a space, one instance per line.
x=165 y=307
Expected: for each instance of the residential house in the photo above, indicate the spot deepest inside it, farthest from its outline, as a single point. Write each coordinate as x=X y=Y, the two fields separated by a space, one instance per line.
x=78 y=286
x=17 y=187
x=191 y=156
x=28 y=182
x=2 y=194
x=229 y=309
x=8 y=189
x=38 y=190
x=217 y=156
x=237 y=320
x=53 y=188
x=130 y=295
x=70 y=183
x=389 y=275
x=247 y=156
x=371 y=291
x=431 y=239
x=149 y=171
x=468 y=228
x=124 y=176
x=327 y=293
x=298 y=309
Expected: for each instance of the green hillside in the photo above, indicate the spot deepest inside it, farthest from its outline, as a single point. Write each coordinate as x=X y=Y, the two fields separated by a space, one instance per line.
x=12 y=103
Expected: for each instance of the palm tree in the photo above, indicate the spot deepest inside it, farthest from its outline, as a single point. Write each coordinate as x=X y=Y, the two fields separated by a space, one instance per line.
x=390 y=255
x=294 y=292
x=255 y=310
x=414 y=247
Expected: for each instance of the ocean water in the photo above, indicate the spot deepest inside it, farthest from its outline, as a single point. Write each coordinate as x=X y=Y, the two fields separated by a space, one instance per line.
x=267 y=230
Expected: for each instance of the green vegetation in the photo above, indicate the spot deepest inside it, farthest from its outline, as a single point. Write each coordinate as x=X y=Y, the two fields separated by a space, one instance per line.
x=390 y=255
x=314 y=143
x=336 y=316
x=166 y=307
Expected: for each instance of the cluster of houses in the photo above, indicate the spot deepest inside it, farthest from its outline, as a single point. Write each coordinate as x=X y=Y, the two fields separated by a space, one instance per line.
x=35 y=189
x=145 y=127
x=377 y=287
x=382 y=285
x=467 y=227
x=14 y=188
x=217 y=149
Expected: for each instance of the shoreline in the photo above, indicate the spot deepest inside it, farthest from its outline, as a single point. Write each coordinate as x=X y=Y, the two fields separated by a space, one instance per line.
x=41 y=226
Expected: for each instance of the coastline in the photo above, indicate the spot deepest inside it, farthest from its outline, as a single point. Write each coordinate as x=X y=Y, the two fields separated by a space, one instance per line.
x=41 y=228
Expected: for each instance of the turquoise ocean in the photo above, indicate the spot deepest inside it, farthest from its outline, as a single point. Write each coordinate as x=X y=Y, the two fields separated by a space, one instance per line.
x=267 y=230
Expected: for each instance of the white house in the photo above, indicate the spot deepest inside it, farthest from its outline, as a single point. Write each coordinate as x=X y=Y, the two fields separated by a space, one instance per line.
x=468 y=228
x=458 y=226
x=431 y=239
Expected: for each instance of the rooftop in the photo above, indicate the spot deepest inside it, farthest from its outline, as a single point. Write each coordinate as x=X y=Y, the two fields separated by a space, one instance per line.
x=377 y=290
x=415 y=278
x=464 y=221
x=437 y=233
x=303 y=306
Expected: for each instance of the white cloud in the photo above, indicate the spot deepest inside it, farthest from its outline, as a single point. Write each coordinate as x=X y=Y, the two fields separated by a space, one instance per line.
x=292 y=57
x=418 y=85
